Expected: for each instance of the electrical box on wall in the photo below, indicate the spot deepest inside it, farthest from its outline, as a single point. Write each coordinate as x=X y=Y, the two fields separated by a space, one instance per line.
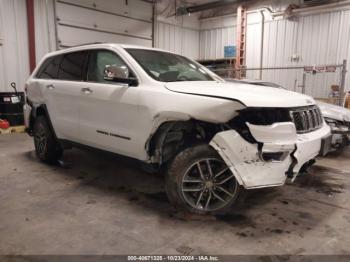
x=229 y=51
x=295 y=58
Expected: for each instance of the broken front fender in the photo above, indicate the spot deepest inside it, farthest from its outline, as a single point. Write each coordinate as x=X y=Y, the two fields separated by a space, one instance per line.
x=280 y=150
x=246 y=164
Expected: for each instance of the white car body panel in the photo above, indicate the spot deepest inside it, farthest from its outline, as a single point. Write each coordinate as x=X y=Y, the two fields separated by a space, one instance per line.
x=61 y=99
x=334 y=111
x=309 y=145
x=128 y=116
x=282 y=133
x=109 y=109
x=258 y=97
x=157 y=106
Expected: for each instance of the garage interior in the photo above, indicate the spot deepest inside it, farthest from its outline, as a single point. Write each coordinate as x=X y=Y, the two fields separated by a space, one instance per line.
x=96 y=204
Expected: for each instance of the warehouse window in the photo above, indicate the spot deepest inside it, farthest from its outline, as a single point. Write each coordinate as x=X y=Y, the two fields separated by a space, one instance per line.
x=98 y=61
x=72 y=66
x=167 y=67
x=50 y=68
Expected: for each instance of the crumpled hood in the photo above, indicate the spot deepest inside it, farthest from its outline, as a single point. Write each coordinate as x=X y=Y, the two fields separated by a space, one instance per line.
x=249 y=95
x=334 y=112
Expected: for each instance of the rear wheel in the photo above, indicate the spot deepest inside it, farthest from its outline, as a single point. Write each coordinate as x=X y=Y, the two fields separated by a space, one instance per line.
x=46 y=147
x=200 y=181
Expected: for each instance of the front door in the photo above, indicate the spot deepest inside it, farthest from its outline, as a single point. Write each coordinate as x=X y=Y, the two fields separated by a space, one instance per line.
x=108 y=110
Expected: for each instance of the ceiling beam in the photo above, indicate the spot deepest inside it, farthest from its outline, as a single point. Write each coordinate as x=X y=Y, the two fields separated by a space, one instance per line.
x=204 y=7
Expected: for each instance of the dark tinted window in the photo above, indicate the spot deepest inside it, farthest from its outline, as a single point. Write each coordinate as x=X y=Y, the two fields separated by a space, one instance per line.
x=50 y=68
x=72 y=66
x=97 y=62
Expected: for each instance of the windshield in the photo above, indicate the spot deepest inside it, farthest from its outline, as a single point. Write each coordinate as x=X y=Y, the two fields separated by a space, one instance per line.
x=167 y=67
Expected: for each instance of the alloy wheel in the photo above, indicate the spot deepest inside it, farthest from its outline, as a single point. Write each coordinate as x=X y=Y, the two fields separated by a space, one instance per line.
x=208 y=185
x=40 y=140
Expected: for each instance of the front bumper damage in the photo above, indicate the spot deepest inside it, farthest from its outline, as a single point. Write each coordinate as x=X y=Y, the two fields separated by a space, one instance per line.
x=280 y=150
x=340 y=134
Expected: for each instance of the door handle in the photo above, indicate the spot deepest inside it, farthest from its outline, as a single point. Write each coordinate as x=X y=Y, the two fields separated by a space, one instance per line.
x=50 y=87
x=86 y=90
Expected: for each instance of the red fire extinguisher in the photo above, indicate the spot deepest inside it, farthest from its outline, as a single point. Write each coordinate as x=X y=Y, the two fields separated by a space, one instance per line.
x=4 y=124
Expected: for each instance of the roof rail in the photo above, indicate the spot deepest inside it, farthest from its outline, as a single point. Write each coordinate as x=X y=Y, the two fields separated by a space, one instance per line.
x=92 y=43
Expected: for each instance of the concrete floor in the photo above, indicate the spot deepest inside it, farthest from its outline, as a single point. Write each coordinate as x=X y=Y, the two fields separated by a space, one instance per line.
x=98 y=205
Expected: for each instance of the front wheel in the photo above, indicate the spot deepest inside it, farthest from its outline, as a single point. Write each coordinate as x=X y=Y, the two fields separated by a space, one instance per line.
x=200 y=181
x=46 y=147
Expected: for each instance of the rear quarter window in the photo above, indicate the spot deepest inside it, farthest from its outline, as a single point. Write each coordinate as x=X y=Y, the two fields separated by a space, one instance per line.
x=49 y=68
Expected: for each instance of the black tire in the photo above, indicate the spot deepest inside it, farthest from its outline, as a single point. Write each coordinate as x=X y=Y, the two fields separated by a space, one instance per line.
x=47 y=148
x=340 y=148
x=183 y=168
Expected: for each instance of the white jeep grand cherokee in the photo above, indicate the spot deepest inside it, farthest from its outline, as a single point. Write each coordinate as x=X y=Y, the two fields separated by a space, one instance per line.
x=166 y=110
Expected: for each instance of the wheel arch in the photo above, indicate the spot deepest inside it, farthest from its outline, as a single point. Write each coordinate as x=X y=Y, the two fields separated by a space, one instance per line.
x=172 y=135
x=40 y=110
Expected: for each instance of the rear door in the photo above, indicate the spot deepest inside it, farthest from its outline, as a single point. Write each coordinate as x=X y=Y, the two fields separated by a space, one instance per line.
x=61 y=87
x=108 y=110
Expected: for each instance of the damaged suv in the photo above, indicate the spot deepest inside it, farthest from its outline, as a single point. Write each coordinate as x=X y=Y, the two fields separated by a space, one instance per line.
x=338 y=118
x=212 y=137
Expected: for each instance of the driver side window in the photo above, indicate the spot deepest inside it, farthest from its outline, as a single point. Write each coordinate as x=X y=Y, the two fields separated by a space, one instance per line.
x=97 y=61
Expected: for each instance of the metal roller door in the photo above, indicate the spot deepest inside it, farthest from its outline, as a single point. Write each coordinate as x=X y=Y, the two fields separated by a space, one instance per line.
x=90 y=21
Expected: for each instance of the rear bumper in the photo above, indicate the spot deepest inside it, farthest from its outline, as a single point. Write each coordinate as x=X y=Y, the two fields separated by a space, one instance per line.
x=290 y=152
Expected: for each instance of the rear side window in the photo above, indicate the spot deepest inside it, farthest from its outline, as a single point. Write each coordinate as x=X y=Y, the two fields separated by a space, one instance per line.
x=49 y=69
x=72 y=66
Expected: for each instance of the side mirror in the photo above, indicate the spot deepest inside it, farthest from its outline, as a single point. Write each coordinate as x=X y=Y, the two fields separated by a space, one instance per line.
x=118 y=74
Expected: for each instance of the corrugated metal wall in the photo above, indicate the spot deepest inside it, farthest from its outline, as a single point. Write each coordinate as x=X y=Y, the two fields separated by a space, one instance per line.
x=14 y=61
x=315 y=39
x=178 y=39
x=215 y=34
x=179 y=34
